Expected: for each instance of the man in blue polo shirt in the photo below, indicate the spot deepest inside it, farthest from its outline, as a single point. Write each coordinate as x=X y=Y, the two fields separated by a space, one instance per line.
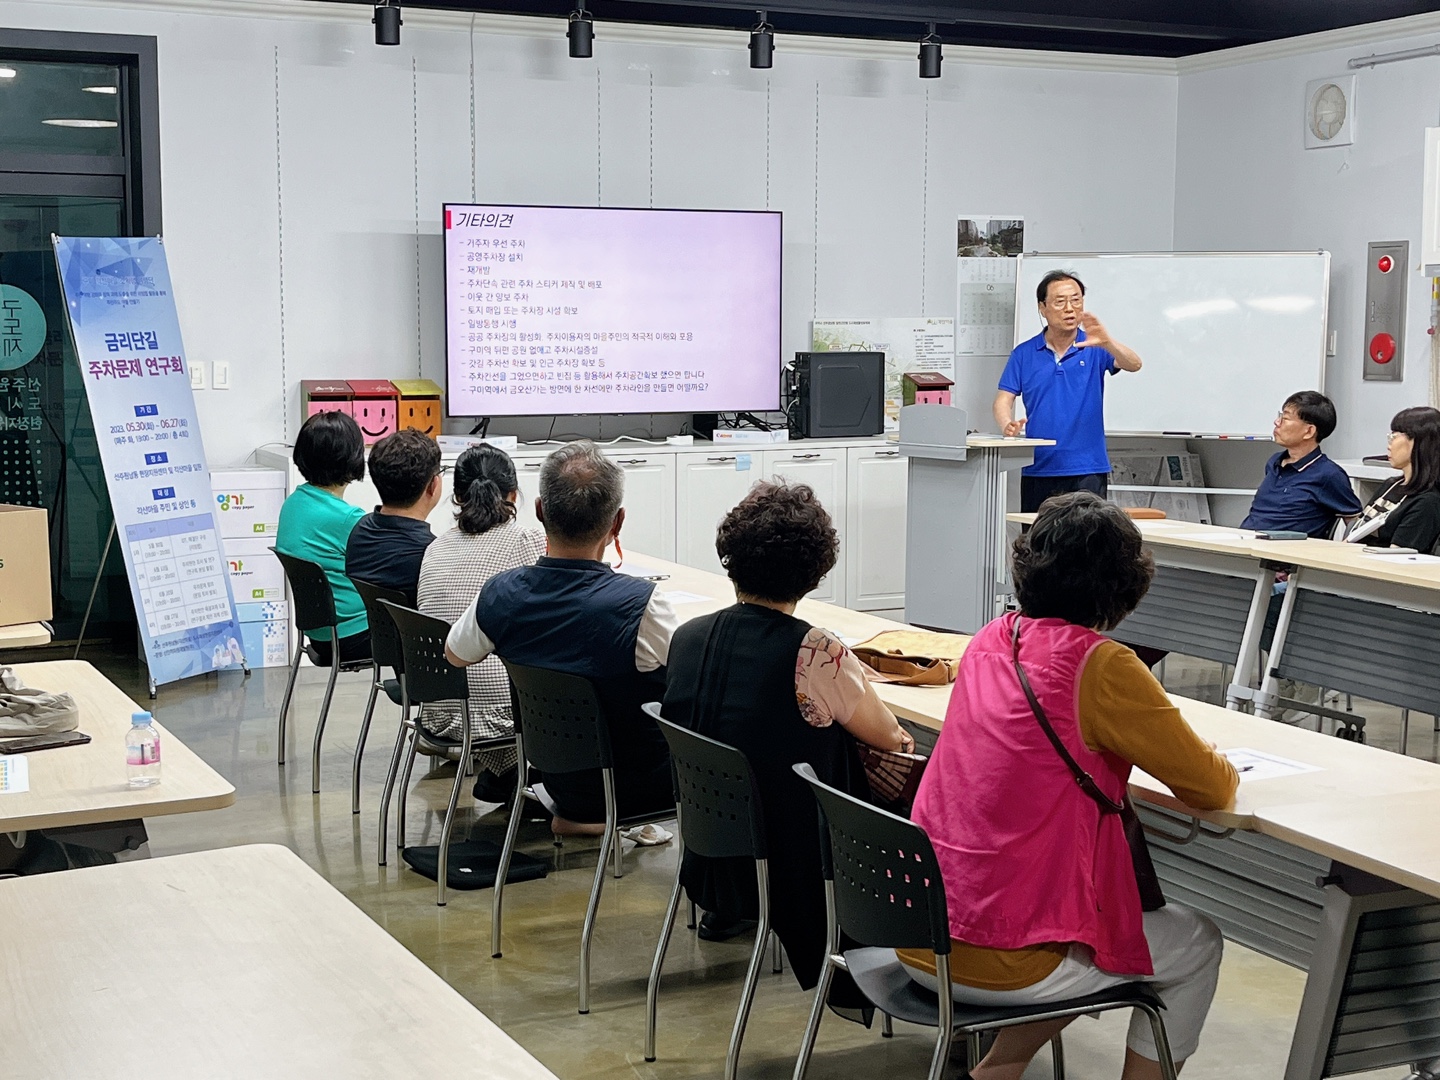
x=1060 y=374
x=1303 y=490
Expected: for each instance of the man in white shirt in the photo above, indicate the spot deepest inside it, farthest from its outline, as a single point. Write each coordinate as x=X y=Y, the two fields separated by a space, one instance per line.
x=572 y=613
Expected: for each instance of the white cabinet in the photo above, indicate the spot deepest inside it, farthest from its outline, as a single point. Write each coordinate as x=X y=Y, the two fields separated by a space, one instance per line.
x=876 y=483
x=649 y=501
x=707 y=485
x=824 y=471
x=527 y=475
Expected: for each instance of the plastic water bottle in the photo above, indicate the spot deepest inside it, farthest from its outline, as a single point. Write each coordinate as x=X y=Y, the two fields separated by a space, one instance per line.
x=142 y=751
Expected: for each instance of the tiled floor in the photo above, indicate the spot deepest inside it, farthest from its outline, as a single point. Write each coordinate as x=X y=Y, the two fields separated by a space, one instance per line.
x=531 y=992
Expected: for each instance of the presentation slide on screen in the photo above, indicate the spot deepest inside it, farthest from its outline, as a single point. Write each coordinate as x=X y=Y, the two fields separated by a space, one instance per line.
x=590 y=310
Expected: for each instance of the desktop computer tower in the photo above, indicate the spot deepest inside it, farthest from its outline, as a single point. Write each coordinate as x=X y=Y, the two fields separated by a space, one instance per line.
x=834 y=395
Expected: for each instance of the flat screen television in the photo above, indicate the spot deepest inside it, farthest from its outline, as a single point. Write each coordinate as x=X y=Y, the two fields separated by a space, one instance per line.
x=569 y=309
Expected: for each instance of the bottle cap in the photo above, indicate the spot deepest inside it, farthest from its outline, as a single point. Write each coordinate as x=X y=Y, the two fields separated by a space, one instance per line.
x=139 y=718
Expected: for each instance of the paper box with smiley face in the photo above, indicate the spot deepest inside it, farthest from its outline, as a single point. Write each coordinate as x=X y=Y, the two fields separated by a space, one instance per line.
x=375 y=408
x=325 y=395
x=419 y=405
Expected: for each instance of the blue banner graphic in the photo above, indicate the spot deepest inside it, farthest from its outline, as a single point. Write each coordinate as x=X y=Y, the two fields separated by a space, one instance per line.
x=127 y=337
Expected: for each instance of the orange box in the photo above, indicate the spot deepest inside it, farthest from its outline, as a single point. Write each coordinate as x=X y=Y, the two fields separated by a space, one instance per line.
x=24 y=565
x=420 y=405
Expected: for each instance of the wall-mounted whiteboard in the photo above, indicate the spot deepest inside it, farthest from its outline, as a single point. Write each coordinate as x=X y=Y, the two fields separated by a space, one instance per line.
x=1225 y=337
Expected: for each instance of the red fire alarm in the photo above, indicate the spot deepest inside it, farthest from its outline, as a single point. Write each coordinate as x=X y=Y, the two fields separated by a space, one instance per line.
x=1386 y=264
x=1382 y=348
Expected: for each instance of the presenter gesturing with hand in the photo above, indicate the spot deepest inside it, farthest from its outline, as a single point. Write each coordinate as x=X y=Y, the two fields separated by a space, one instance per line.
x=1060 y=374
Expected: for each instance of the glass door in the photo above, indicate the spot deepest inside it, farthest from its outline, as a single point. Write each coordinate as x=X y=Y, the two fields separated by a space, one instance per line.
x=64 y=153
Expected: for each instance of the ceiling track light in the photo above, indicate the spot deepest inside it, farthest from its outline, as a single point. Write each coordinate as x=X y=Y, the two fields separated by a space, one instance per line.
x=387 y=22
x=930 y=57
x=762 y=43
x=581 y=32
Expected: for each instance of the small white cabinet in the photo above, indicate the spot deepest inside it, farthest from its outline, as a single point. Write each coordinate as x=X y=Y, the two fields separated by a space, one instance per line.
x=876 y=481
x=707 y=485
x=649 y=501
x=824 y=470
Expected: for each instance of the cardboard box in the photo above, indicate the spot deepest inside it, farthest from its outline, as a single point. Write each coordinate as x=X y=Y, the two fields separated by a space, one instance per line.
x=265 y=633
x=255 y=573
x=324 y=395
x=420 y=405
x=247 y=502
x=24 y=565
x=376 y=408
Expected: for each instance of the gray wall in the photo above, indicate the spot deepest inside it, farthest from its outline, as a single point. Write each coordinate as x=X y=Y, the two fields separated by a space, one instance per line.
x=1245 y=181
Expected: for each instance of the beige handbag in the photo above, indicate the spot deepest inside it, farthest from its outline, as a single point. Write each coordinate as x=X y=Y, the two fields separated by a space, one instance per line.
x=912 y=657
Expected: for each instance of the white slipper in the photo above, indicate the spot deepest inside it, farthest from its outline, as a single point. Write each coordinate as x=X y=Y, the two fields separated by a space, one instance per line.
x=648 y=835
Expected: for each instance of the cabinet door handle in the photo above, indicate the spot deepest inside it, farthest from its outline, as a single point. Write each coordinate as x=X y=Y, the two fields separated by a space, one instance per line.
x=531 y=464
x=887 y=453
x=631 y=461
x=803 y=457
x=720 y=459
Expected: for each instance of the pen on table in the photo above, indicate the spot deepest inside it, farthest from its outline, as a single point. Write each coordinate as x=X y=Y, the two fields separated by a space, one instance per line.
x=1245 y=768
x=656 y=577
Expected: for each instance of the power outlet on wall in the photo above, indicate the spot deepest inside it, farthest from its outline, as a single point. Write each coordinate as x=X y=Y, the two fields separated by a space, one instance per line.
x=197 y=375
x=220 y=374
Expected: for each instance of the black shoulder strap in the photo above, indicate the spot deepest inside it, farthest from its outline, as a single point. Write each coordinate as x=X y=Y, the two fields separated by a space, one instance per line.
x=1084 y=779
x=714 y=674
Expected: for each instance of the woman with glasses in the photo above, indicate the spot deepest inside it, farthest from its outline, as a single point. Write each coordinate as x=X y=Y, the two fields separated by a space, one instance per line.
x=1060 y=375
x=1406 y=512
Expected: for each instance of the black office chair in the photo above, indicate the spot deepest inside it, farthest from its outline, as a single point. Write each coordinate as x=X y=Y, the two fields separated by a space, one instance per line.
x=385 y=652
x=718 y=802
x=315 y=617
x=559 y=728
x=427 y=677
x=883 y=887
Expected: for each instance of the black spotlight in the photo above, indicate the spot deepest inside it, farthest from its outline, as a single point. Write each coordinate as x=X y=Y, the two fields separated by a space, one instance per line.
x=930 y=54
x=762 y=43
x=581 y=33
x=387 y=22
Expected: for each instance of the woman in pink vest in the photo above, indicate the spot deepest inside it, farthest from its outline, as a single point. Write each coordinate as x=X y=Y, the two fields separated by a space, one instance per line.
x=1039 y=880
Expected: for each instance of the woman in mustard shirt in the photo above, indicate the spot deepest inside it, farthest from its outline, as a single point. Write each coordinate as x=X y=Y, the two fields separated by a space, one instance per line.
x=315 y=521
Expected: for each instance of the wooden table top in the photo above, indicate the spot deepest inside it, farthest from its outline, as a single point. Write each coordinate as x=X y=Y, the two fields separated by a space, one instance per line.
x=1391 y=835
x=238 y=962
x=1345 y=786
x=84 y=785
x=23 y=635
x=1331 y=556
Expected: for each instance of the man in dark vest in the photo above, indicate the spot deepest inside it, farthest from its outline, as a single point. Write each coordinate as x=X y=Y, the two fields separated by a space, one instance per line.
x=572 y=613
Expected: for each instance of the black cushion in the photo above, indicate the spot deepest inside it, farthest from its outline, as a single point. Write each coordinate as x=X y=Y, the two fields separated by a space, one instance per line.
x=473 y=864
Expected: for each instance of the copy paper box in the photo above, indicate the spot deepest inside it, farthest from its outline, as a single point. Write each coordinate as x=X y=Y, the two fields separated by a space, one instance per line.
x=255 y=573
x=24 y=565
x=247 y=502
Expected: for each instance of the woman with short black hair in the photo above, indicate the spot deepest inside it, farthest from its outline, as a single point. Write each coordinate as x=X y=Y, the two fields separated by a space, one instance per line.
x=1406 y=512
x=1043 y=897
x=316 y=521
x=781 y=691
x=485 y=541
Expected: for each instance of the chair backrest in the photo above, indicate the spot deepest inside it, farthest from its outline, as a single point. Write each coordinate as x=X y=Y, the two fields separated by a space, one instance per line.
x=887 y=883
x=310 y=591
x=428 y=676
x=384 y=638
x=716 y=793
x=560 y=718
x=1363 y=647
x=1194 y=612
